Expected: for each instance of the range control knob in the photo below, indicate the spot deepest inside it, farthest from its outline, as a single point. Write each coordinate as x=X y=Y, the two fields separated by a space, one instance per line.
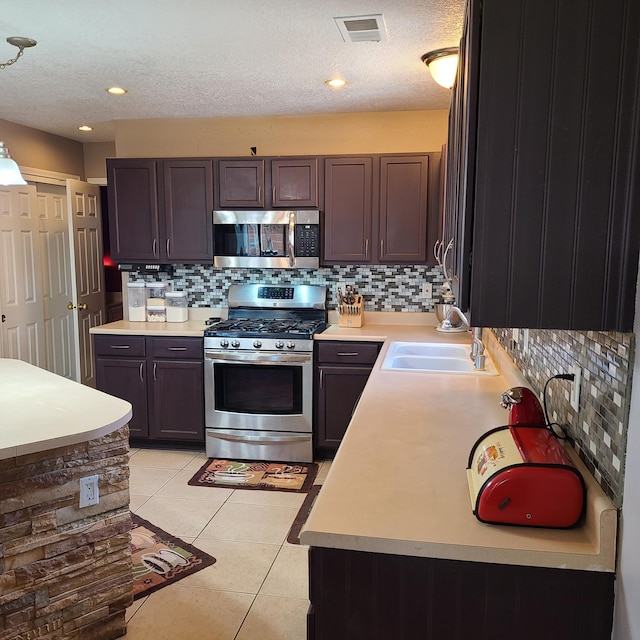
x=291 y=344
x=279 y=344
x=224 y=343
x=235 y=343
x=257 y=344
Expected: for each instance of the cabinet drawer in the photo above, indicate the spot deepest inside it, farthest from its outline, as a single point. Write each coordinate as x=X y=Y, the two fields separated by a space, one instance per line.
x=348 y=352
x=177 y=348
x=120 y=346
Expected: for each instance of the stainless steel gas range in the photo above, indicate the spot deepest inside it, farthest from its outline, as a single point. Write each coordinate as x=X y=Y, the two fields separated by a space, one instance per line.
x=259 y=373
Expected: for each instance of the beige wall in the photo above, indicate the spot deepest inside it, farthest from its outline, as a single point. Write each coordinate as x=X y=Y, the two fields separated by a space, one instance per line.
x=40 y=150
x=387 y=132
x=95 y=154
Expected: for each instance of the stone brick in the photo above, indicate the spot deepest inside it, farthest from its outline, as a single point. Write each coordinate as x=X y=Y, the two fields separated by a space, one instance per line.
x=28 y=557
x=107 y=629
x=12 y=532
x=44 y=522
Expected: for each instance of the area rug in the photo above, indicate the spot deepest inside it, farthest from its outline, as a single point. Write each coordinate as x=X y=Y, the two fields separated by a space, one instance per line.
x=160 y=558
x=245 y=474
x=293 y=537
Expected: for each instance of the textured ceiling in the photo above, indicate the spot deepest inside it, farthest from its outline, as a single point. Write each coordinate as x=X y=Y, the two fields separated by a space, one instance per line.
x=214 y=58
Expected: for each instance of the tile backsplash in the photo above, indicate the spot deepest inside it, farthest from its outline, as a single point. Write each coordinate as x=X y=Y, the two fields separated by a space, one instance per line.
x=384 y=287
x=599 y=428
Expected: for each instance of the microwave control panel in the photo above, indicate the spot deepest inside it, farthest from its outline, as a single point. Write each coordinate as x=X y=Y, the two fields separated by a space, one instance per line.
x=307 y=240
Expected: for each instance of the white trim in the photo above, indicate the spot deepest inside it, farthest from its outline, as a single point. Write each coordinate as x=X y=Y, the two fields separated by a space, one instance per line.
x=47 y=177
x=99 y=181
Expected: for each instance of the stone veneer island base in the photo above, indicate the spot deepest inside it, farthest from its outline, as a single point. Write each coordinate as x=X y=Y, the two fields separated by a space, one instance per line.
x=65 y=571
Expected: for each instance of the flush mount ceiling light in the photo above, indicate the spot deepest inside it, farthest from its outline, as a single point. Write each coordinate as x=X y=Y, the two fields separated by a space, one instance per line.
x=9 y=171
x=22 y=43
x=443 y=64
x=117 y=91
x=85 y=127
x=336 y=83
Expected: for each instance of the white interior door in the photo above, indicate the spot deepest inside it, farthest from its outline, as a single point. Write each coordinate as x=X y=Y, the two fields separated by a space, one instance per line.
x=56 y=251
x=90 y=301
x=22 y=328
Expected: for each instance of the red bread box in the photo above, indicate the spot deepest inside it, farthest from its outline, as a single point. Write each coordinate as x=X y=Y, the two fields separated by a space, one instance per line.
x=521 y=475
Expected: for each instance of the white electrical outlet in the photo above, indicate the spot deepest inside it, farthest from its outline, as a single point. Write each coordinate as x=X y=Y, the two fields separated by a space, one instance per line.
x=575 y=389
x=427 y=290
x=89 y=491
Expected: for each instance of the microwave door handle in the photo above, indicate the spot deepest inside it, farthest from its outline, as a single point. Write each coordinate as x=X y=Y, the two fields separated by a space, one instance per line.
x=292 y=239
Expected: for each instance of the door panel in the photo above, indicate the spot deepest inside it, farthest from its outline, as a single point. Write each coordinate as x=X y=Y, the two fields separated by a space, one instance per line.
x=57 y=282
x=22 y=330
x=84 y=205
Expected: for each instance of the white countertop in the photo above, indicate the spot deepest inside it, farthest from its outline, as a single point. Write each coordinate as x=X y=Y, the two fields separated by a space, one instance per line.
x=398 y=483
x=41 y=410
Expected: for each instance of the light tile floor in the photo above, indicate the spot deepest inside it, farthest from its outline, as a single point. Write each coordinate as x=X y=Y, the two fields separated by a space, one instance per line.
x=257 y=587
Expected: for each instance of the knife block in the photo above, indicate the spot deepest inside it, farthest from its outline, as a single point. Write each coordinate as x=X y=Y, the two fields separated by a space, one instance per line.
x=351 y=315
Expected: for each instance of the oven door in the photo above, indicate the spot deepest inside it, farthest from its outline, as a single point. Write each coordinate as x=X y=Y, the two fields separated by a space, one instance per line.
x=260 y=391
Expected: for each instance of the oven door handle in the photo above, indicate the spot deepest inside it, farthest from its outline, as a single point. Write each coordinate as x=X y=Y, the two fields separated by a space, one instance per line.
x=261 y=439
x=261 y=358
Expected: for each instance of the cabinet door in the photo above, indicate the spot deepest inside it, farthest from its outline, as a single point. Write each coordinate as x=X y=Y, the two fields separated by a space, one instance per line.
x=294 y=182
x=348 y=210
x=188 y=205
x=134 y=233
x=556 y=229
x=177 y=397
x=125 y=378
x=403 y=209
x=241 y=184
x=339 y=389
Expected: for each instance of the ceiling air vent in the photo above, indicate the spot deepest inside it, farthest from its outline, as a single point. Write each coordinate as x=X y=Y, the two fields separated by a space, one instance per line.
x=362 y=28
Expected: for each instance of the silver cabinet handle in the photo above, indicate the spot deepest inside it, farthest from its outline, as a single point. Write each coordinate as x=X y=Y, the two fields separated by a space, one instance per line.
x=261 y=439
x=168 y=247
x=177 y=348
x=154 y=248
x=142 y=372
x=366 y=248
x=321 y=377
x=273 y=194
x=382 y=246
x=259 y=194
x=348 y=353
x=119 y=346
x=155 y=369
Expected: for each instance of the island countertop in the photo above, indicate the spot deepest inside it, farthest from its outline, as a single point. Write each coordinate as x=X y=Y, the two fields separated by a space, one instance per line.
x=41 y=410
x=398 y=482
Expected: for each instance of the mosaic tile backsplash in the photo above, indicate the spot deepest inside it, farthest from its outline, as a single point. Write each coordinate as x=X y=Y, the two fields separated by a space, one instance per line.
x=385 y=288
x=599 y=428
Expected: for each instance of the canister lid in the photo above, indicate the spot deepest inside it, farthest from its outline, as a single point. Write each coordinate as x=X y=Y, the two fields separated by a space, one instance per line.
x=136 y=284
x=160 y=309
x=157 y=285
x=176 y=294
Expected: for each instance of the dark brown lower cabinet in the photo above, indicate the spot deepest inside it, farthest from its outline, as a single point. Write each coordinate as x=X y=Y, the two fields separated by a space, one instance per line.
x=162 y=378
x=342 y=371
x=358 y=595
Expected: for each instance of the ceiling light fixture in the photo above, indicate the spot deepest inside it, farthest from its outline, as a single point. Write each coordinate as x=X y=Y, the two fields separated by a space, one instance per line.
x=22 y=43
x=85 y=127
x=9 y=171
x=336 y=83
x=443 y=65
x=117 y=91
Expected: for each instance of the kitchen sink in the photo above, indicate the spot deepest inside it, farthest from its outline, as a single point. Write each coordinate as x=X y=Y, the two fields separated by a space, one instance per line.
x=433 y=358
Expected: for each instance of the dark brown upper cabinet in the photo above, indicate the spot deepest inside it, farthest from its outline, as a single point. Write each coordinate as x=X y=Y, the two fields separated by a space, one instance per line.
x=160 y=210
x=259 y=183
x=380 y=209
x=545 y=136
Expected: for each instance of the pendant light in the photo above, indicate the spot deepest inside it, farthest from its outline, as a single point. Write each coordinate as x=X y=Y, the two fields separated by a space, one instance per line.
x=443 y=65
x=9 y=171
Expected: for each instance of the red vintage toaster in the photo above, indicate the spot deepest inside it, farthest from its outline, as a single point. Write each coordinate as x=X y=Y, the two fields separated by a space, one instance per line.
x=519 y=474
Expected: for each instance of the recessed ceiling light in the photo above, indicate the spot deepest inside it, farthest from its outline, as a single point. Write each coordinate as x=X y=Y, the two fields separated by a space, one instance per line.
x=117 y=91
x=85 y=127
x=336 y=83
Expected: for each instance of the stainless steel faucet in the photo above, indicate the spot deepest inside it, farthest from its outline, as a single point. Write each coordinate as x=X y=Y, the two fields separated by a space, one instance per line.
x=477 y=349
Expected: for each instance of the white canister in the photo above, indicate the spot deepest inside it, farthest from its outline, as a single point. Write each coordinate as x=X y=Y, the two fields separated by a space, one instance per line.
x=176 y=304
x=156 y=292
x=156 y=313
x=137 y=301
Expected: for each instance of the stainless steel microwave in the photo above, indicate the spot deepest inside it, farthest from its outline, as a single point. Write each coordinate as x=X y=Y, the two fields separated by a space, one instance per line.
x=275 y=239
